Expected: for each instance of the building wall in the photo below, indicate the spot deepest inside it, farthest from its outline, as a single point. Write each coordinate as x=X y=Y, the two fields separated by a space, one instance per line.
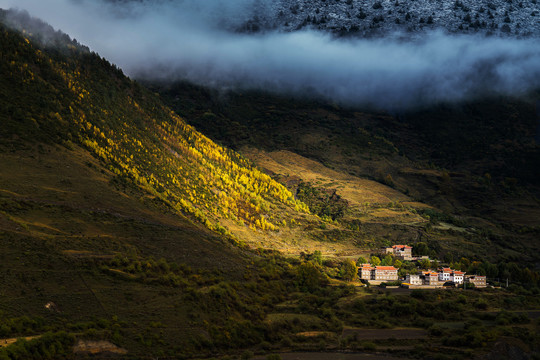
x=386 y=275
x=444 y=276
x=478 y=281
x=364 y=274
x=431 y=280
x=405 y=254
x=413 y=279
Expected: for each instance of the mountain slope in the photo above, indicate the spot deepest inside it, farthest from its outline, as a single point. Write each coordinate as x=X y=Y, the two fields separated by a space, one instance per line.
x=142 y=142
x=91 y=252
x=71 y=202
x=473 y=163
x=136 y=137
x=99 y=256
x=91 y=248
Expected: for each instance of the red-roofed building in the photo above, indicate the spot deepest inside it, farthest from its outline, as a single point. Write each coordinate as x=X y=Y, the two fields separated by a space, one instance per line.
x=364 y=271
x=403 y=252
x=447 y=274
x=430 y=278
x=444 y=274
x=386 y=273
x=458 y=276
x=377 y=273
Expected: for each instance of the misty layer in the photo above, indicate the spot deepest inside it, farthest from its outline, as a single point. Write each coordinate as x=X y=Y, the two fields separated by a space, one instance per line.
x=191 y=40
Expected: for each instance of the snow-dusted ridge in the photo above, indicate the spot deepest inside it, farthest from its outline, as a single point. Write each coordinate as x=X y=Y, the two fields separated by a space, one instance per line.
x=363 y=18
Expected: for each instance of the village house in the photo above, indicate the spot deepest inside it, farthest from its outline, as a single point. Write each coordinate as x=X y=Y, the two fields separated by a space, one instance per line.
x=447 y=274
x=457 y=276
x=364 y=272
x=413 y=279
x=377 y=273
x=477 y=280
x=430 y=278
x=403 y=252
x=444 y=274
x=386 y=273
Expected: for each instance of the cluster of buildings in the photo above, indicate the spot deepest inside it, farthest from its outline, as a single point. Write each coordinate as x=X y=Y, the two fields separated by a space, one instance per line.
x=424 y=279
x=434 y=278
x=443 y=277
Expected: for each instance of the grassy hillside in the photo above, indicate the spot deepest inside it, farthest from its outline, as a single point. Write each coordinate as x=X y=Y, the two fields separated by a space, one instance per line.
x=67 y=95
x=110 y=213
x=82 y=99
x=92 y=245
x=471 y=164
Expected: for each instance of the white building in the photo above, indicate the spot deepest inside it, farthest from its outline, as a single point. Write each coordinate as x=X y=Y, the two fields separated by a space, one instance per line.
x=413 y=279
x=458 y=276
x=445 y=274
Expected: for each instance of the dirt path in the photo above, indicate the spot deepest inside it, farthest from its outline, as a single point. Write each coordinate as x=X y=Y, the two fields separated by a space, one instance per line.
x=9 y=341
x=382 y=334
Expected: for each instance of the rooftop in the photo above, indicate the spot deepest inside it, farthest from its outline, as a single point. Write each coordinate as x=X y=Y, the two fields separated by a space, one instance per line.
x=385 y=268
x=401 y=247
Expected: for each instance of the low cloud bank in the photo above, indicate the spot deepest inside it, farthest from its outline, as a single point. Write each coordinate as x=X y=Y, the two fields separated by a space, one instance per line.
x=173 y=40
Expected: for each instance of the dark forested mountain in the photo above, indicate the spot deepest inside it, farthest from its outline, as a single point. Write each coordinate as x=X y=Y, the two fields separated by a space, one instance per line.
x=125 y=232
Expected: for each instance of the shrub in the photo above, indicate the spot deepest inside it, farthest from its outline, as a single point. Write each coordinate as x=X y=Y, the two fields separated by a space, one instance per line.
x=48 y=346
x=436 y=331
x=348 y=270
x=481 y=304
x=309 y=277
x=359 y=305
x=369 y=346
x=419 y=294
x=388 y=180
x=361 y=260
